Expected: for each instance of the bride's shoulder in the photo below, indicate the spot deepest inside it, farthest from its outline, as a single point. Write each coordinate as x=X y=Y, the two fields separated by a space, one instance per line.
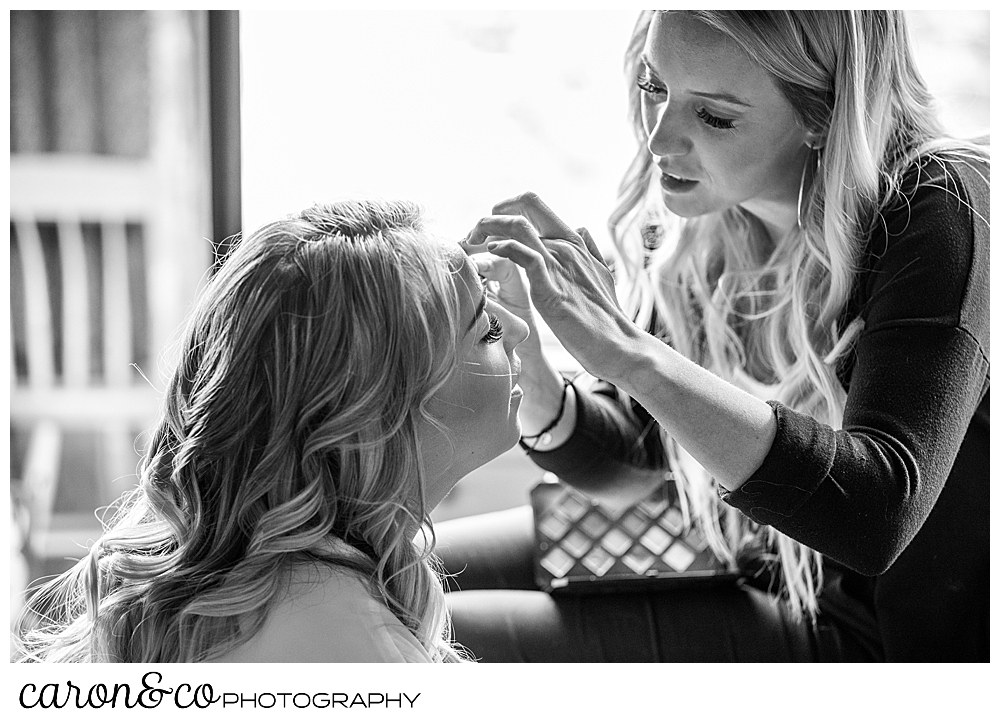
x=329 y=615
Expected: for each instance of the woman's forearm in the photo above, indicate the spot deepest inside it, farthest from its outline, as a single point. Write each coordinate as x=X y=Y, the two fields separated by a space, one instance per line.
x=726 y=429
x=543 y=396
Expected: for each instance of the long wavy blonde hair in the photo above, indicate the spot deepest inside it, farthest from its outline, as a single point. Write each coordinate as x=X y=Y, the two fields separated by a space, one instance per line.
x=762 y=313
x=292 y=416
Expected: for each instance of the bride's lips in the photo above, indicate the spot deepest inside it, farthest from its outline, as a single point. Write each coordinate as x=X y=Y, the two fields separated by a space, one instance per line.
x=515 y=390
x=672 y=183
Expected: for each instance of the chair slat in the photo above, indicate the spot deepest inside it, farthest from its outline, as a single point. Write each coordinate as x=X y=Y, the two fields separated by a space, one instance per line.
x=76 y=319
x=38 y=312
x=41 y=475
x=117 y=309
x=121 y=460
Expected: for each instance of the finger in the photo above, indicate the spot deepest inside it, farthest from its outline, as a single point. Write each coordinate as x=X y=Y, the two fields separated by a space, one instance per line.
x=497 y=272
x=591 y=245
x=478 y=245
x=494 y=268
x=485 y=264
x=528 y=259
x=505 y=283
x=529 y=205
x=517 y=228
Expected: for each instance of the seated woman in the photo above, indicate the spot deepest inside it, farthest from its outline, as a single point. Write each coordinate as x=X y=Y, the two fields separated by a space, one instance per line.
x=339 y=374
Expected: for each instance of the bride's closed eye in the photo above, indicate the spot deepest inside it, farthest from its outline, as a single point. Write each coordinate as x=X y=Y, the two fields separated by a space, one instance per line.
x=495 y=332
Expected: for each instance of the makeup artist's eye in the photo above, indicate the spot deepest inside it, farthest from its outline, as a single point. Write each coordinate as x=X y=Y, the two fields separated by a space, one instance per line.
x=713 y=120
x=646 y=85
x=495 y=333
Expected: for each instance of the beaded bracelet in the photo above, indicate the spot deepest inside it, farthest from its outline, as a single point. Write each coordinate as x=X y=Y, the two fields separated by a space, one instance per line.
x=545 y=436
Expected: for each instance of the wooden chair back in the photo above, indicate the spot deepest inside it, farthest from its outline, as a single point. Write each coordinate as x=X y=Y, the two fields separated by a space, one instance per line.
x=82 y=327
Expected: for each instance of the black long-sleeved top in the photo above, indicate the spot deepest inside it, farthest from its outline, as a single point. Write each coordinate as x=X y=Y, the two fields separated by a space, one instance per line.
x=897 y=500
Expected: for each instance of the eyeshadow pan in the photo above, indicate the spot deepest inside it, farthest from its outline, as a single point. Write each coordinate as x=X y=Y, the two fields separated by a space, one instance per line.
x=639 y=559
x=656 y=539
x=557 y=562
x=695 y=539
x=653 y=508
x=554 y=526
x=673 y=521
x=598 y=561
x=573 y=508
x=678 y=557
x=634 y=523
x=594 y=523
x=576 y=543
x=616 y=542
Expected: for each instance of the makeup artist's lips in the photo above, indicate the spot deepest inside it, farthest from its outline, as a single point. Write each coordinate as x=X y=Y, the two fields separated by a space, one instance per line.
x=676 y=184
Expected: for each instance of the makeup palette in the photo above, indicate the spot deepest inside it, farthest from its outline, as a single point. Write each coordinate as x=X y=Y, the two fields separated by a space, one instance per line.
x=583 y=546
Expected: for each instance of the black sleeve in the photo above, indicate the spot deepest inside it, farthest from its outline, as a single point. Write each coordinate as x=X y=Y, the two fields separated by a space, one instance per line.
x=614 y=440
x=920 y=369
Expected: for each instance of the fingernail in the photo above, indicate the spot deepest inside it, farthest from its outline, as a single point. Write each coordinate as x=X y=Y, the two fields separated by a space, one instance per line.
x=492 y=245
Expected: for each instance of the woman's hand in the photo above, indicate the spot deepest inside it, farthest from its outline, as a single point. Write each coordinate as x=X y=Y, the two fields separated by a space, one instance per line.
x=726 y=429
x=506 y=285
x=542 y=384
x=570 y=284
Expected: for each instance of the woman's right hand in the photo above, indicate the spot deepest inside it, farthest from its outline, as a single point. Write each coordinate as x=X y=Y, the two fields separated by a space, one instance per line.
x=506 y=285
x=571 y=286
x=542 y=384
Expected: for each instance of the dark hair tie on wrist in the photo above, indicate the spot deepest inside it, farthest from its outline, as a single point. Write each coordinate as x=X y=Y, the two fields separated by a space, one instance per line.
x=545 y=436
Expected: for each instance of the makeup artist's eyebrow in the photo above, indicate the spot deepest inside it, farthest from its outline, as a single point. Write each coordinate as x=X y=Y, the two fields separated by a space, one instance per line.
x=724 y=97
x=479 y=310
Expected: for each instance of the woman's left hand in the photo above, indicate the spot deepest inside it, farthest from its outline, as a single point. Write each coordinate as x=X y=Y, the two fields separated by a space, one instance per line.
x=570 y=283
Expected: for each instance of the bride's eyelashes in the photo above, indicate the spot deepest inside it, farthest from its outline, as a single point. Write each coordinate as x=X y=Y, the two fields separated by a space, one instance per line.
x=495 y=332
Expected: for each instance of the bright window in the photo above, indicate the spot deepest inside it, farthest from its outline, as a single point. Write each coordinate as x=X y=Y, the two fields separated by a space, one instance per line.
x=460 y=108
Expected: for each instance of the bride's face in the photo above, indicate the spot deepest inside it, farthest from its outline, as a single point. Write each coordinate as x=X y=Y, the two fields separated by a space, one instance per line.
x=478 y=404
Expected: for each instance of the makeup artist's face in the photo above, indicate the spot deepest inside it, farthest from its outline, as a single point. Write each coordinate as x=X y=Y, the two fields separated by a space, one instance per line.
x=479 y=402
x=719 y=128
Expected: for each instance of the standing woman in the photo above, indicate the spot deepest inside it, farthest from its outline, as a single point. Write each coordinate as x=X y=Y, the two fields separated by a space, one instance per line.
x=804 y=343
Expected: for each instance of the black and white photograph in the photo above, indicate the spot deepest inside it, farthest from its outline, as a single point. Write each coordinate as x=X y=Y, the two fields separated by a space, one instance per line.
x=460 y=334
